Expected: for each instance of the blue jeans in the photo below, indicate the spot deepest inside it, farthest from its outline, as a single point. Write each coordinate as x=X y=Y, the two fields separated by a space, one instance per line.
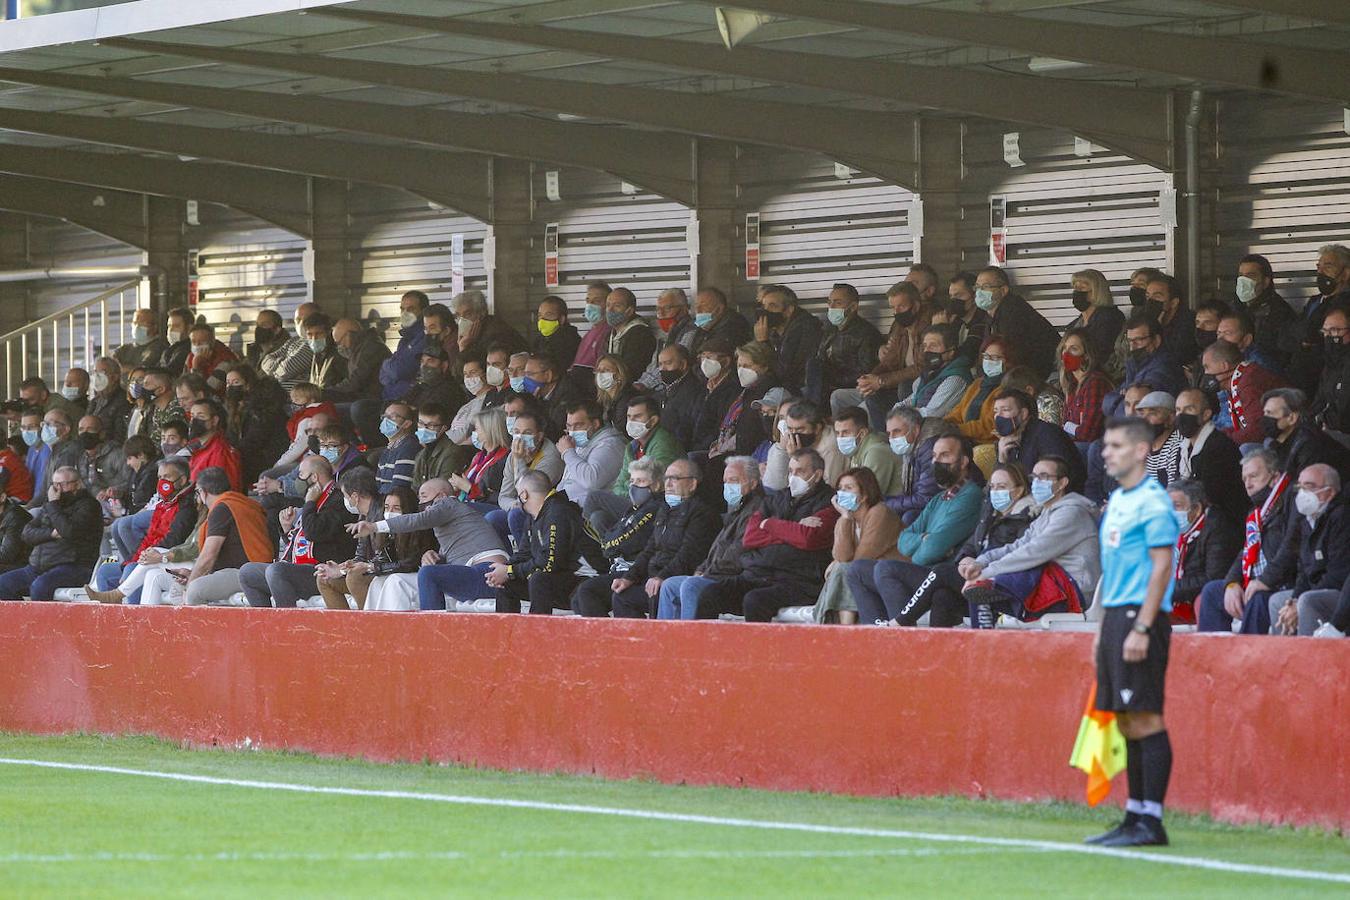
x=13 y=585
x=435 y=583
x=110 y=575
x=484 y=508
x=1211 y=616
x=678 y=598
x=498 y=520
x=129 y=531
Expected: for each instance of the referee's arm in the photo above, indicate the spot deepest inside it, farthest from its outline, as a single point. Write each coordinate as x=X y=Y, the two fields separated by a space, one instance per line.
x=1136 y=643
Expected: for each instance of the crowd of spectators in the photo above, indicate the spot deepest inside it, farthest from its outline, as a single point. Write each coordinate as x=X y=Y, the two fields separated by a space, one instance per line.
x=702 y=463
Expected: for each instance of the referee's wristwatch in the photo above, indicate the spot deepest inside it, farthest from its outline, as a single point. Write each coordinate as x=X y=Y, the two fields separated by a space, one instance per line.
x=1139 y=628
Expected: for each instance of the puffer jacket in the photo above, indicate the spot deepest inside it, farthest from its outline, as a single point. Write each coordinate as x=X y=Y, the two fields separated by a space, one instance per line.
x=786 y=550
x=680 y=539
x=848 y=352
x=77 y=519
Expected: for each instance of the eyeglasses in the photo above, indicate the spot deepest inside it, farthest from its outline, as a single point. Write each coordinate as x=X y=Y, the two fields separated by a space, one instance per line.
x=680 y=478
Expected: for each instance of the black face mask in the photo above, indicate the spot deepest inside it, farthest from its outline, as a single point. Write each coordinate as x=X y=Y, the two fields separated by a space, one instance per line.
x=1325 y=285
x=1081 y=301
x=431 y=375
x=236 y=392
x=773 y=319
x=1138 y=296
x=1004 y=425
x=1210 y=384
x=1261 y=496
x=1188 y=424
x=264 y=335
x=89 y=440
x=944 y=474
x=639 y=495
x=1141 y=354
x=956 y=308
x=1153 y=309
x=906 y=318
x=932 y=361
x=197 y=429
x=669 y=377
x=1270 y=426
x=1335 y=346
x=313 y=444
x=1159 y=430
x=1204 y=339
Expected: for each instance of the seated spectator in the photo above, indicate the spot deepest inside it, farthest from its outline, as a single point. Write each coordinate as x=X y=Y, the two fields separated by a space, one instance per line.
x=741 y=430
x=973 y=414
x=209 y=446
x=58 y=433
x=720 y=389
x=495 y=374
x=769 y=406
x=178 y=343
x=75 y=389
x=554 y=392
x=679 y=391
x=959 y=309
x=481 y=483
x=108 y=399
x=1297 y=442
x=863 y=448
x=898 y=359
x=269 y=333
x=161 y=405
x=631 y=337
x=377 y=555
x=146 y=345
x=592 y=452
x=1166 y=304
x=866 y=530
x=1024 y=439
x=1051 y=568
x=679 y=595
x=140 y=455
x=478 y=329
x=786 y=548
x=18 y=480
x=442 y=331
x=399 y=370
x=363 y=352
x=792 y=331
x=304 y=425
x=682 y=531
x=1331 y=404
x=13 y=519
x=233 y=534
x=189 y=388
x=647 y=438
x=315 y=534
x=102 y=465
x=1149 y=363
x=477 y=389
x=1312 y=560
x=1240 y=386
x=674 y=328
x=531 y=450
x=434 y=383
x=1239 y=329
x=1210 y=541
x=1274 y=321
x=1158 y=409
x=327 y=367
x=885 y=590
x=34 y=394
x=437 y=456
x=30 y=430
x=1208 y=455
x=614 y=549
x=1207 y=318
x=848 y=347
x=1099 y=326
x=544 y=569
x=287 y=359
x=554 y=337
x=715 y=318
x=172 y=522
x=596 y=338
x=803 y=427
x=127 y=531
x=914 y=451
x=943 y=376
x=1099 y=483
x=65 y=532
x=253 y=407
x=614 y=389
x=1085 y=387
x=399 y=456
x=207 y=354
x=1011 y=316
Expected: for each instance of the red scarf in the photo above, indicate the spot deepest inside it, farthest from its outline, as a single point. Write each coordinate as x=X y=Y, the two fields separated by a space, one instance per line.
x=1234 y=401
x=301 y=548
x=1252 y=562
x=1184 y=542
x=482 y=460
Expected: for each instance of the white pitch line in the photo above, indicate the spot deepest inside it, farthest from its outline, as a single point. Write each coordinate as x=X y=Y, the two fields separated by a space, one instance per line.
x=1192 y=862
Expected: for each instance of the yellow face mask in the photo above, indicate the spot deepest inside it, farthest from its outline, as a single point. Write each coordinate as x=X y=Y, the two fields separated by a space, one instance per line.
x=548 y=326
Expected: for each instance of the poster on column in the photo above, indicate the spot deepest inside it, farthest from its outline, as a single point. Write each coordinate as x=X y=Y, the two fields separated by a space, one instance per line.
x=998 y=231
x=752 y=247
x=456 y=264
x=193 y=292
x=551 y=254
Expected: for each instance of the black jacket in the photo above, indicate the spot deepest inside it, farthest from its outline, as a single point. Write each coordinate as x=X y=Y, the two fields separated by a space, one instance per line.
x=174 y=356
x=724 y=555
x=847 y=353
x=1276 y=325
x=142 y=488
x=78 y=520
x=1313 y=557
x=733 y=327
x=1178 y=336
x=680 y=539
x=1102 y=331
x=1308 y=445
x=493 y=331
x=712 y=406
x=994 y=530
x=561 y=345
x=256 y=434
x=636 y=347
x=1043 y=439
x=133 y=356
x=553 y=540
x=1274 y=529
x=1308 y=354
x=1209 y=556
x=113 y=410
x=564 y=394
x=447 y=391
x=679 y=408
x=362 y=379
x=1218 y=466
x=625 y=539
x=326 y=528
x=1034 y=337
x=795 y=347
x=781 y=561
x=1331 y=404
x=13 y=519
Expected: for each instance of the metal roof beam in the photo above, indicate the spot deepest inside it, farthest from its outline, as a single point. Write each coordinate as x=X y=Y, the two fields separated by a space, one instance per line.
x=640 y=158
x=116 y=214
x=1322 y=75
x=1328 y=11
x=275 y=197
x=877 y=142
x=1131 y=120
x=448 y=179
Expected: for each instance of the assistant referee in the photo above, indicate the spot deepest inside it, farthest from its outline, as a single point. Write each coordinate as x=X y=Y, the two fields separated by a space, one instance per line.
x=1138 y=541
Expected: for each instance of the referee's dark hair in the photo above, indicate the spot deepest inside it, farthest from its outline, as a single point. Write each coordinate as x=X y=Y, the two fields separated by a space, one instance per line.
x=1136 y=429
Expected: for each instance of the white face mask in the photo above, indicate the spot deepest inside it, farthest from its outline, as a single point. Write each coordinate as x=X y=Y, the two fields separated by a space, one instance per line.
x=798 y=485
x=1307 y=504
x=175 y=337
x=604 y=380
x=747 y=376
x=200 y=350
x=496 y=376
x=636 y=429
x=70 y=393
x=407 y=319
x=473 y=384
x=711 y=368
x=1246 y=289
x=351 y=507
x=99 y=382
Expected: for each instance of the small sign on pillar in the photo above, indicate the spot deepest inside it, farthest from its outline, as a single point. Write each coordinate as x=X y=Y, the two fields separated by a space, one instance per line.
x=998 y=231
x=551 y=255
x=752 y=247
x=456 y=264
x=193 y=290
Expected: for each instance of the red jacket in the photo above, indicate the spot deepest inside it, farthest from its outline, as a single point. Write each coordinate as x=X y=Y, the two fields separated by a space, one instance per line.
x=160 y=523
x=205 y=365
x=218 y=452
x=305 y=412
x=1252 y=384
x=20 y=479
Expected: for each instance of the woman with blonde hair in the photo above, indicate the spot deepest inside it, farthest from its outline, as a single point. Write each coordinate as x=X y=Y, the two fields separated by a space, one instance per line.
x=481 y=482
x=1098 y=319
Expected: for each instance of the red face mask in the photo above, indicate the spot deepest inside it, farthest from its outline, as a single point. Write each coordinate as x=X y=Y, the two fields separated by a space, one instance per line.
x=166 y=489
x=667 y=324
x=1072 y=363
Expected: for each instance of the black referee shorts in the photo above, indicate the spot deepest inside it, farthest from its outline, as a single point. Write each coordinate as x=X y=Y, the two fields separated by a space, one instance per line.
x=1131 y=687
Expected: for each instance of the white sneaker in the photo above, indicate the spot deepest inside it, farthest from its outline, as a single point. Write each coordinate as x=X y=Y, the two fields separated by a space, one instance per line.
x=1327 y=630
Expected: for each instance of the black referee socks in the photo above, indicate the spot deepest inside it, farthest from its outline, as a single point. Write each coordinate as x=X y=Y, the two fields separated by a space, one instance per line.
x=1155 y=769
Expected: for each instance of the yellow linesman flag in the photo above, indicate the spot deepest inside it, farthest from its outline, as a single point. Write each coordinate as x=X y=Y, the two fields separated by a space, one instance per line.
x=1099 y=751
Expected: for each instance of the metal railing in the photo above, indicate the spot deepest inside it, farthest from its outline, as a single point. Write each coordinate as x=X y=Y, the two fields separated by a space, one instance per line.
x=37 y=347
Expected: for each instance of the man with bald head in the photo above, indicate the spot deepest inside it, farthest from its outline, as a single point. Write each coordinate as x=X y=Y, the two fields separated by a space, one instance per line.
x=1312 y=557
x=365 y=353
x=103 y=465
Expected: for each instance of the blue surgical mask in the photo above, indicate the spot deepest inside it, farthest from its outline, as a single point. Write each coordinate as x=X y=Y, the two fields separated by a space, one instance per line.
x=1183 y=518
x=1041 y=491
x=518 y=383
x=594 y=313
x=992 y=367
x=732 y=494
x=388 y=427
x=836 y=316
x=614 y=319
x=527 y=440
x=848 y=500
x=141 y=335
x=580 y=437
x=329 y=453
x=530 y=385
x=49 y=434
x=900 y=446
x=847 y=445
x=703 y=320
x=1000 y=500
x=984 y=299
x=426 y=436
x=476 y=441
x=510 y=424
x=674 y=500
x=30 y=437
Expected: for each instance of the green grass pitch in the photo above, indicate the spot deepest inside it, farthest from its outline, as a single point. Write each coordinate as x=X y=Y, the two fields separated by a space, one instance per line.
x=81 y=833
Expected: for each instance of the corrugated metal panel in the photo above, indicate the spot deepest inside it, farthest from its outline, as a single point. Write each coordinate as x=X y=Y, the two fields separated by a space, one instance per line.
x=817 y=229
x=1064 y=213
x=400 y=243
x=1284 y=188
x=637 y=241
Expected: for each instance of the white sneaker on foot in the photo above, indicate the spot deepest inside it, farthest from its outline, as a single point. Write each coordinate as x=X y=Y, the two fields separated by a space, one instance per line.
x=1327 y=630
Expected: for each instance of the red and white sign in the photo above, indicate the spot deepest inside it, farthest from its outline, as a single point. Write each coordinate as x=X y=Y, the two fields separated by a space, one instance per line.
x=752 y=247
x=193 y=293
x=551 y=254
x=998 y=231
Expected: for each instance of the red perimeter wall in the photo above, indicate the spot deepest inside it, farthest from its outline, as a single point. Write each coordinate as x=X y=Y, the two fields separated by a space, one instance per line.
x=1259 y=726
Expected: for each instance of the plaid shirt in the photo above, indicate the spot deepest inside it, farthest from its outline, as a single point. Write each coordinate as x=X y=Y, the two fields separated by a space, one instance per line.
x=1084 y=407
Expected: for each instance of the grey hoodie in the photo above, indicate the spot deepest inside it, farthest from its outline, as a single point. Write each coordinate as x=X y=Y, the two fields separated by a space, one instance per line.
x=461 y=531
x=1064 y=533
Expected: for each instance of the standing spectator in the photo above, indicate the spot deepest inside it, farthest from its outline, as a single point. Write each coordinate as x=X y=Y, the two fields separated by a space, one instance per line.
x=478 y=329
x=109 y=401
x=179 y=344
x=327 y=366
x=943 y=376
x=438 y=456
x=1167 y=305
x=898 y=359
x=1099 y=323
x=714 y=318
x=544 y=569
x=1024 y=439
x=1208 y=455
x=1210 y=542
x=1013 y=317
x=1085 y=387
x=65 y=533
x=399 y=455
x=146 y=345
x=554 y=337
x=207 y=354
x=866 y=530
x=1276 y=323
x=631 y=337
x=848 y=347
x=233 y=535
x=1240 y=386
x=861 y=447
x=792 y=331
x=364 y=353
x=592 y=452
x=1297 y=442
x=1331 y=404
x=1149 y=363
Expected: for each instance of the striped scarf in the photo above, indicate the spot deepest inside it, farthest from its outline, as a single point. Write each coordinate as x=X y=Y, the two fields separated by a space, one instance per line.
x=1253 y=559
x=1184 y=542
x=1235 y=401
